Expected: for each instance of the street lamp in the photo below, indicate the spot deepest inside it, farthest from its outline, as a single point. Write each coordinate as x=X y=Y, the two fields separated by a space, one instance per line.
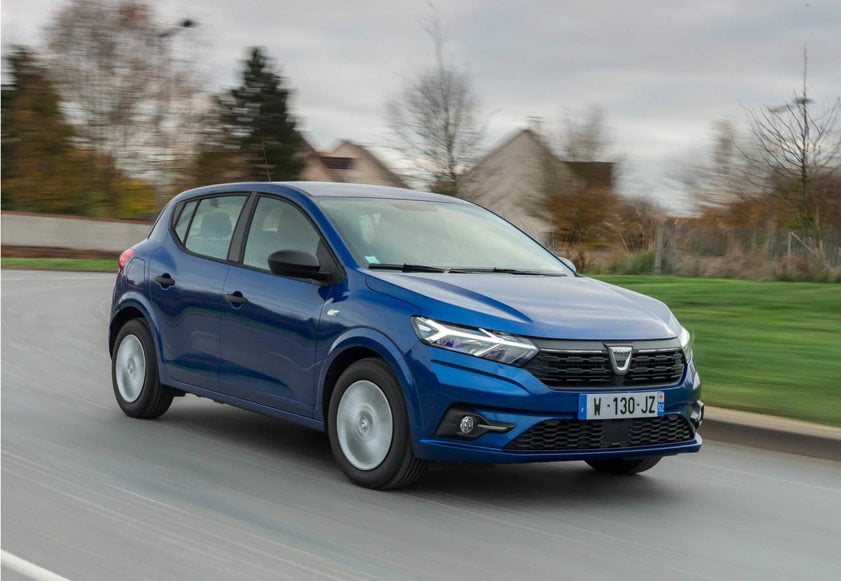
x=166 y=79
x=186 y=23
x=803 y=146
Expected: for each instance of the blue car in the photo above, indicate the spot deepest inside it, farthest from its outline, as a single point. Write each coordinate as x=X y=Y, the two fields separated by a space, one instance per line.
x=411 y=327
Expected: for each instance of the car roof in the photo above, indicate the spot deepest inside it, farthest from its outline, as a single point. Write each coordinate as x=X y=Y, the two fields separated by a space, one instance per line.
x=327 y=189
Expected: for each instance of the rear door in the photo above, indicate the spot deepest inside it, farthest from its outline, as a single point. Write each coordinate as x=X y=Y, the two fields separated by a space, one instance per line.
x=185 y=287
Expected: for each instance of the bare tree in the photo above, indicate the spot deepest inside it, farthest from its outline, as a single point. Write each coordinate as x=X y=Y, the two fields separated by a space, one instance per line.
x=435 y=123
x=584 y=203
x=799 y=153
x=119 y=81
x=585 y=135
x=725 y=179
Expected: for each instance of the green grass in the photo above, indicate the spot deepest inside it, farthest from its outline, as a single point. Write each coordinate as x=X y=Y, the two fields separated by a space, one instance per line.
x=767 y=347
x=96 y=265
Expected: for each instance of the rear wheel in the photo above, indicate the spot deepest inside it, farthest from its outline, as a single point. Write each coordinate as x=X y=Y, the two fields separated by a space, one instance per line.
x=134 y=373
x=369 y=428
x=624 y=465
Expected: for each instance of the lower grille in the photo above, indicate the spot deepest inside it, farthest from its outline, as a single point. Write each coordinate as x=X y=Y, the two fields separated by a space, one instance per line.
x=564 y=435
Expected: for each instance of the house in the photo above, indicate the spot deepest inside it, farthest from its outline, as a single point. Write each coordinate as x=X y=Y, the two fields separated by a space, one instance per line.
x=348 y=162
x=315 y=170
x=518 y=178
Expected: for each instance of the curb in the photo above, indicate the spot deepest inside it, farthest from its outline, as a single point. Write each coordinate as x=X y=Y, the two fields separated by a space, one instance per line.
x=772 y=433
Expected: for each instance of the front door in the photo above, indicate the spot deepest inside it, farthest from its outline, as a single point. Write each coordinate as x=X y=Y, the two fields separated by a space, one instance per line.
x=270 y=327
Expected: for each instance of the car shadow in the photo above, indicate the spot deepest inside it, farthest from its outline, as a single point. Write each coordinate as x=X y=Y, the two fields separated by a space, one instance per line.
x=554 y=483
x=522 y=485
x=251 y=431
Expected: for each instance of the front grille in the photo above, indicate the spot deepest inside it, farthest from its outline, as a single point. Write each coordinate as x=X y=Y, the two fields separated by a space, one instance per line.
x=591 y=369
x=570 y=435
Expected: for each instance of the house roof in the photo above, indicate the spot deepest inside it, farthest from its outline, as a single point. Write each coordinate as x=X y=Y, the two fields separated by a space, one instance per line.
x=314 y=157
x=364 y=152
x=594 y=174
x=506 y=143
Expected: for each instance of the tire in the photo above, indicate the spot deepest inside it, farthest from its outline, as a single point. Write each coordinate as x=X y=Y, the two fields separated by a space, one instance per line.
x=134 y=373
x=368 y=427
x=624 y=465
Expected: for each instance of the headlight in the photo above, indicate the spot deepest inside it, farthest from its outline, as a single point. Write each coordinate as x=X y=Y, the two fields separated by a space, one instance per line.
x=477 y=342
x=685 y=339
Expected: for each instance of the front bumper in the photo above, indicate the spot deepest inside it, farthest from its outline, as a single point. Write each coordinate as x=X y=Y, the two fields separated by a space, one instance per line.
x=519 y=419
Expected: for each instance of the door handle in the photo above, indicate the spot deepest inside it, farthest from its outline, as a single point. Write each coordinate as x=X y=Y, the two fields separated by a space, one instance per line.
x=236 y=298
x=165 y=280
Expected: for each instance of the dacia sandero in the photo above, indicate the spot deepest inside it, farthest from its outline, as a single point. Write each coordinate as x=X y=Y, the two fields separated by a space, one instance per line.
x=411 y=327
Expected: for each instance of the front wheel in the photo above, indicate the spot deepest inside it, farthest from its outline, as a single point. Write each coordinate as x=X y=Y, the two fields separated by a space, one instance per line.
x=134 y=373
x=369 y=428
x=624 y=465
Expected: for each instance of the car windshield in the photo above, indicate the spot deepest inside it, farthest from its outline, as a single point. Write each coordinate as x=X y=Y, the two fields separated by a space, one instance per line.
x=432 y=236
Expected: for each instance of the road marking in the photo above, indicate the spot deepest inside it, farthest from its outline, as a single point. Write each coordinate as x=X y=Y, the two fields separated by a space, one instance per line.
x=27 y=569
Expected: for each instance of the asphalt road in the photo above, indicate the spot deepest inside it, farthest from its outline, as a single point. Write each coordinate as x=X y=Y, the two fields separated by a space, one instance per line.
x=212 y=492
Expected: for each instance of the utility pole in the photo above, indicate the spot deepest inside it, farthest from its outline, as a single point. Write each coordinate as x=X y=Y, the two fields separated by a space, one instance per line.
x=803 y=103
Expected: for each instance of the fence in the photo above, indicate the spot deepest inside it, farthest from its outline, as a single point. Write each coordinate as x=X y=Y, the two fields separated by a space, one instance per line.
x=773 y=245
x=692 y=249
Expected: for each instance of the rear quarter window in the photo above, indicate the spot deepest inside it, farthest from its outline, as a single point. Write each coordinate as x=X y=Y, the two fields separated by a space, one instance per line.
x=184 y=219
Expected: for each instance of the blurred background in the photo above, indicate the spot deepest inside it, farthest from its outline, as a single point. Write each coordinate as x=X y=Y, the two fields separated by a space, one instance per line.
x=700 y=142
x=697 y=140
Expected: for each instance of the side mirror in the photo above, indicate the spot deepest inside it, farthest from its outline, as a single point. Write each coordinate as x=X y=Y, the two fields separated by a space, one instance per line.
x=297 y=264
x=569 y=264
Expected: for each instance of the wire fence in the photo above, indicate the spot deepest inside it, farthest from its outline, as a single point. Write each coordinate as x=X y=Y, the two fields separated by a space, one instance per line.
x=704 y=251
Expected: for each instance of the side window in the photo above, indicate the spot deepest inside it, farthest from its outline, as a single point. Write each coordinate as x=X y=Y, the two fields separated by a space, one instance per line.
x=213 y=225
x=183 y=221
x=278 y=225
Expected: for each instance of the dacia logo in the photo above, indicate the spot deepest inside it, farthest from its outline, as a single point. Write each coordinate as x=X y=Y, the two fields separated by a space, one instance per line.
x=620 y=358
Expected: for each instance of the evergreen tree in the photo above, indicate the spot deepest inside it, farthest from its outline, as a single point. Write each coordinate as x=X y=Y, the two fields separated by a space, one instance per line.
x=42 y=170
x=218 y=158
x=258 y=112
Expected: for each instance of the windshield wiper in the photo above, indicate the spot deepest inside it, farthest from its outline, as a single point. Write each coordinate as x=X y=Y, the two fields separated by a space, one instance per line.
x=408 y=267
x=505 y=271
x=468 y=270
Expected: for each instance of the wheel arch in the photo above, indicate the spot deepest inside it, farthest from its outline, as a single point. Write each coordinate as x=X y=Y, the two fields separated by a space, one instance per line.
x=367 y=344
x=119 y=319
x=131 y=307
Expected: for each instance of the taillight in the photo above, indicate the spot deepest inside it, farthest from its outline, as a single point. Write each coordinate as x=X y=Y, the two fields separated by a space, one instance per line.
x=125 y=257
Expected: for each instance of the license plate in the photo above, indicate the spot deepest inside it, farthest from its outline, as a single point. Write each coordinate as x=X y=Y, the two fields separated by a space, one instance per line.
x=607 y=406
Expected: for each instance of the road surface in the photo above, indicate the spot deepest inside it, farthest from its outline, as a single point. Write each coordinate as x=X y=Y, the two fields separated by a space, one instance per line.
x=212 y=492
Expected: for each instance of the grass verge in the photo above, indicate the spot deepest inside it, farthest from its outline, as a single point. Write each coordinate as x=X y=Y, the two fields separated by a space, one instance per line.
x=95 y=265
x=765 y=347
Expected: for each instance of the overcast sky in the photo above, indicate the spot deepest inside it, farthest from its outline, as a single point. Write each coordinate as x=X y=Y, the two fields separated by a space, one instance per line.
x=663 y=70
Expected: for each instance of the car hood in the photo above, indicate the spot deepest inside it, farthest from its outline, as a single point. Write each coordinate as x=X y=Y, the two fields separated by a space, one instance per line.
x=535 y=306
